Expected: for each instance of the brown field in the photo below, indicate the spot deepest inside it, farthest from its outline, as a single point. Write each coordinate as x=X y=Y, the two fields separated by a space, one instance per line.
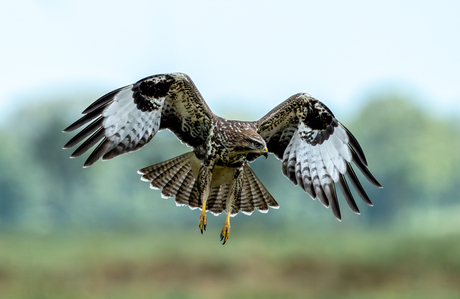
x=178 y=264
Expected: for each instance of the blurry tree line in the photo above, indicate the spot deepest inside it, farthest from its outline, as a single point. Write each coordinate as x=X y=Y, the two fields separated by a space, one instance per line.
x=413 y=154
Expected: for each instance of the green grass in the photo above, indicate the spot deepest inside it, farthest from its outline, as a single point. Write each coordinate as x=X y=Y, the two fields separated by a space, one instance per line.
x=174 y=264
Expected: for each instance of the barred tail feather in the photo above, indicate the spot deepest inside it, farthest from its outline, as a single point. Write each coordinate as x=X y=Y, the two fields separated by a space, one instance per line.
x=183 y=194
x=217 y=199
x=176 y=178
x=254 y=194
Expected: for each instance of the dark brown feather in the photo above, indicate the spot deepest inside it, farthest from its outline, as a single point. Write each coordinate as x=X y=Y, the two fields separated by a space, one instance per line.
x=347 y=194
x=94 y=126
x=102 y=102
x=357 y=185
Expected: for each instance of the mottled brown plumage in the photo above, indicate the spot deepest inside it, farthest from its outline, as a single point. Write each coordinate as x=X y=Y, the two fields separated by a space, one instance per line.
x=315 y=148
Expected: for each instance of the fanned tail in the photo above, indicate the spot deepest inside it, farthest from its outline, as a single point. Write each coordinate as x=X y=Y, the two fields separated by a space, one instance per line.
x=176 y=178
x=253 y=196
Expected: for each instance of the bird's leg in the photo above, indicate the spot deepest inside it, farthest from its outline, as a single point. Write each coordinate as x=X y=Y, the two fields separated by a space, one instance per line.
x=233 y=193
x=204 y=186
x=203 y=217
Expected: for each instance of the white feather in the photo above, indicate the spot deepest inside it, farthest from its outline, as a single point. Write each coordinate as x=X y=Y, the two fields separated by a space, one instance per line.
x=334 y=160
x=305 y=164
x=336 y=150
x=341 y=134
x=312 y=164
x=247 y=213
x=321 y=168
x=302 y=155
x=326 y=159
x=124 y=119
x=122 y=103
x=122 y=116
x=341 y=143
x=214 y=213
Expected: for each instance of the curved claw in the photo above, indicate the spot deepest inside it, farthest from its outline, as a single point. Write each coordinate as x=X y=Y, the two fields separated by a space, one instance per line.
x=202 y=223
x=224 y=234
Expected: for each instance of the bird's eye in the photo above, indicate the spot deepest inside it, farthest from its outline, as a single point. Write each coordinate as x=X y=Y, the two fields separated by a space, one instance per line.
x=256 y=144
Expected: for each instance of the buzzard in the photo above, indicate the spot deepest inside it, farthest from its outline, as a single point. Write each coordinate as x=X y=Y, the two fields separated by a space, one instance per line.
x=315 y=148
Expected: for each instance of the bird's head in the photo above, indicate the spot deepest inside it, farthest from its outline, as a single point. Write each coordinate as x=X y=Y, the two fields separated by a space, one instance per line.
x=241 y=139
x=252 y=143
x=256 y=145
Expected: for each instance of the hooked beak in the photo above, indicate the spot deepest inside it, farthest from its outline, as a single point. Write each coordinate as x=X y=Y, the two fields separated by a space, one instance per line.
x=266 y=152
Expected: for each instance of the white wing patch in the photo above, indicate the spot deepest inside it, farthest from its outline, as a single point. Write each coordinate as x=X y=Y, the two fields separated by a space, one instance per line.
x=315 y=167
x=125 y=125
x=127 y=118
x=316 y=150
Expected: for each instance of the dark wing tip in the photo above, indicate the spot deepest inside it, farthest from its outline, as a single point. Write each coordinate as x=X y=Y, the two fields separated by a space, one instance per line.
x=75 y=125
x=83 y=120
x=331 y=194
x=355 y=145
x=357 y=185
x=347 y=194
x=102 y=101
x=363 y=168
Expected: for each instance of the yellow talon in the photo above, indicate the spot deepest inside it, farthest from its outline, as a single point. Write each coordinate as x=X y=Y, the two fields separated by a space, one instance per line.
x=202 y=223
x=225 y=230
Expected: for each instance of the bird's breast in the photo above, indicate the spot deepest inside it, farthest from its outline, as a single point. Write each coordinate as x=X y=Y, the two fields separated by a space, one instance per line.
x=221 y=173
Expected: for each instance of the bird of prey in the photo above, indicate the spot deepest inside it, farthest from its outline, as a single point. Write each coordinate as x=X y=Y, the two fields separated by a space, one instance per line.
x=315 y=148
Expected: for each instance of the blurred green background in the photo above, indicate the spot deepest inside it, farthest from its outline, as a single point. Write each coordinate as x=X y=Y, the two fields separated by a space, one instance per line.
x=387 y=69
x=69 y=232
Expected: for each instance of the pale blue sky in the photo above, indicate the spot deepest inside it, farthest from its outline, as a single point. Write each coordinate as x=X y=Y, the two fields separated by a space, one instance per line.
x=255 y=53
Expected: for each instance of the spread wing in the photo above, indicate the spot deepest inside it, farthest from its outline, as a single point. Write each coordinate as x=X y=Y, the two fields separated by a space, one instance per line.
x=126 y=119
x=316 y=150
